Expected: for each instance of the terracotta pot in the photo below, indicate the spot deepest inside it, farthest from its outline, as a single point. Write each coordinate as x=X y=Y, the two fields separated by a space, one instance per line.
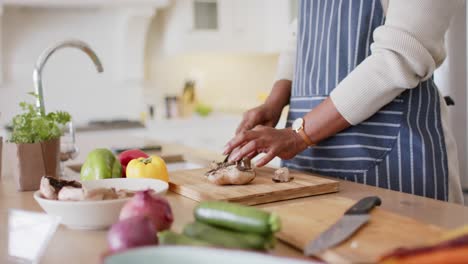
x=34 y=161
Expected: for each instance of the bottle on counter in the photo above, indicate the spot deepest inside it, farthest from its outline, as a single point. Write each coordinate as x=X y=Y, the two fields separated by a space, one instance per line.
x=188 y=99
x=151 y=112
x=172 y=107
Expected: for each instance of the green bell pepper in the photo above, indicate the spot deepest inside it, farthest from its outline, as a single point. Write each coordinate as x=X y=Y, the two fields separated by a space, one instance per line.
x=101 y=164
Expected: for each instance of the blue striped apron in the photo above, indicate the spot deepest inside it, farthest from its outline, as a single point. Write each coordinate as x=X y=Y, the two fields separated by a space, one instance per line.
x=402 y=146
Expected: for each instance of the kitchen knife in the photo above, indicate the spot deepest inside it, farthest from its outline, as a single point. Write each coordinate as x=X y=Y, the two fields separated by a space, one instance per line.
x=352 y=220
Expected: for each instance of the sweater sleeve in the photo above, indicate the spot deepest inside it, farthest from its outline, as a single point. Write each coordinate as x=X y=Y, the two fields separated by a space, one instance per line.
x=287 y=58
x=406 y=50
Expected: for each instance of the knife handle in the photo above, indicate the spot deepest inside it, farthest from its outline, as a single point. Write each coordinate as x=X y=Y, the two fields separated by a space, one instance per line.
x=364 y=206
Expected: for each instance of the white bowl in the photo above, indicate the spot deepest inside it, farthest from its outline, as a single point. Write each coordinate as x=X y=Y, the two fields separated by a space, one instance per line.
x=97 y=214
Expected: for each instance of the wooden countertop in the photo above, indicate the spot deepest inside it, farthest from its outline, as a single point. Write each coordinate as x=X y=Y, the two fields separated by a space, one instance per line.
x=74 y=246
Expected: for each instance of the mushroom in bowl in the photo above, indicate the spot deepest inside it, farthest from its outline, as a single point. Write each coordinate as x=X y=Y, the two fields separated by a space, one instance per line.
x=93 y=206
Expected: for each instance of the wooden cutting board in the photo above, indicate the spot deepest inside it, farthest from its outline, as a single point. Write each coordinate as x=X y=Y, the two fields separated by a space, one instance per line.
x=304 y=221
x=193 y=184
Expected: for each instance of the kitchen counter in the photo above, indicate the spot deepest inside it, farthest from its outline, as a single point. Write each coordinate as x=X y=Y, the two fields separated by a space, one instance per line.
x=75 y=246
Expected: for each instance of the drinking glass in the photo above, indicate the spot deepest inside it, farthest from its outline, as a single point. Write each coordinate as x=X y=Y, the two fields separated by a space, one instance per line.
x=68 y=148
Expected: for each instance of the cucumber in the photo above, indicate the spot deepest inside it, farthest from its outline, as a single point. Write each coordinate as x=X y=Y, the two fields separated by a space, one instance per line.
x=237 y=217
x=171 y=238
x=227 y=238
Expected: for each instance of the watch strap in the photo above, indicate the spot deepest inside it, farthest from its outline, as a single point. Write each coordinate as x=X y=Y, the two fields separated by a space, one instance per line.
x=305 y=137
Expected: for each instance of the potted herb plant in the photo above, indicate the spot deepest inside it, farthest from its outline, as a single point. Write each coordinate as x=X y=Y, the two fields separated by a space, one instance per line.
x=36 y=138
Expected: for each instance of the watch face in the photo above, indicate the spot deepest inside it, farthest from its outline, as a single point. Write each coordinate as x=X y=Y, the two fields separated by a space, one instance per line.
x=297 y=124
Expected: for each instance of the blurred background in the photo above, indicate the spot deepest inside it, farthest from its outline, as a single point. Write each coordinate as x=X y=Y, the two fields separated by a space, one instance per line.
x=149 y=50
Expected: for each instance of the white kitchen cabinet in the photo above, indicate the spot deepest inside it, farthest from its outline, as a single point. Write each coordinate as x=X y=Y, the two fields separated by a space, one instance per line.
x=227 y=26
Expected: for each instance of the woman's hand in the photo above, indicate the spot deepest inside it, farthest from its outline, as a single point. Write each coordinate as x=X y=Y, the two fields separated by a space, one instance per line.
x=265 y=115
x=268 y=113
x=260 y=115
x=284 y=143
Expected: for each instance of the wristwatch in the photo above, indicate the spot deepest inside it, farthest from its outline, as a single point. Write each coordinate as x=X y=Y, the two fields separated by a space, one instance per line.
x=298 y=127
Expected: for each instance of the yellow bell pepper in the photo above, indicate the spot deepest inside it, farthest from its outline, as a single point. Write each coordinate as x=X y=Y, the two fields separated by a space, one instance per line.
x=152 y=167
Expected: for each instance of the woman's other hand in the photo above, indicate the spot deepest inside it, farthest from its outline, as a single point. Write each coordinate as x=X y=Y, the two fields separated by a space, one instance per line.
x=261 y=115
x=268 y=113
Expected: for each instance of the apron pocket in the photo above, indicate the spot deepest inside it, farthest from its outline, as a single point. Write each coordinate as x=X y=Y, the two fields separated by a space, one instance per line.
x=354 y=150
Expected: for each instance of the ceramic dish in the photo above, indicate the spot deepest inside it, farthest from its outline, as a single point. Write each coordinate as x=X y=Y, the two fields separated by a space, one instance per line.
x=97 y=214
x=196 y=255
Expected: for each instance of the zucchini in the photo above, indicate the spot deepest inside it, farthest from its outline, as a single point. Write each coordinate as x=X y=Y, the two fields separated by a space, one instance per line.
x=171 y=238
x=227 y=238
x=237 y=217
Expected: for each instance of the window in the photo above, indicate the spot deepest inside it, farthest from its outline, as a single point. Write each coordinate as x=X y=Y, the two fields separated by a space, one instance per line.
x=205 y=15
x=293 y=9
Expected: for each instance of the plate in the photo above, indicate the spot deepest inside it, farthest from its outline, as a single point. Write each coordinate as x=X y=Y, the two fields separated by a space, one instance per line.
x=196 y=255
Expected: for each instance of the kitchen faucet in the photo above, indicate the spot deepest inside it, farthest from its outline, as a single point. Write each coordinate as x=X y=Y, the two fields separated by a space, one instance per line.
x=67 y=152
x=37 y=74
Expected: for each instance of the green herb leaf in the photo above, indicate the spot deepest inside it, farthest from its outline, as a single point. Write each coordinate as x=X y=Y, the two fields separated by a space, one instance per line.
x=32 y=127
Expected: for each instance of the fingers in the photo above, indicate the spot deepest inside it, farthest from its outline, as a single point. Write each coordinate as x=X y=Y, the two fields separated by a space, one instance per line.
x=252 y=155
x=256 y=116
x=249 y=120
x=234 y=152
x=265 y=159
x=248 y=149
x=244 y=126
x=248 y=138
x=239 y=140
x=249 y=156
x=241 y=126
x=259 y=128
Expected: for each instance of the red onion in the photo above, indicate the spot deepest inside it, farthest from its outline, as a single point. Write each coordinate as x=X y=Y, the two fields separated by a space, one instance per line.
x=132 y=232
x=153 y=206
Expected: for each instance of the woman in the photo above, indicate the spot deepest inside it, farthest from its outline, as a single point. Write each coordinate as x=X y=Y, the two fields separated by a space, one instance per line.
x=363 y=105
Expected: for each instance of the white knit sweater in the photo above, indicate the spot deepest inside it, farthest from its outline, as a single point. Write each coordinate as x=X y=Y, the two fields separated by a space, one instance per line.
x=406 y=50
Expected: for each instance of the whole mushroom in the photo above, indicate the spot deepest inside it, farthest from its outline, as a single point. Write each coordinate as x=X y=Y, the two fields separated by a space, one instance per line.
x=236 y=173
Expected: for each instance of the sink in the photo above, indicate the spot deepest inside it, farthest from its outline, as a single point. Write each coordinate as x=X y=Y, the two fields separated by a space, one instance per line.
x=99 y=125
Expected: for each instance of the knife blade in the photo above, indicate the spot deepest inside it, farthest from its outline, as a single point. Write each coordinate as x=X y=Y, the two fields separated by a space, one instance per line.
x=354 y=218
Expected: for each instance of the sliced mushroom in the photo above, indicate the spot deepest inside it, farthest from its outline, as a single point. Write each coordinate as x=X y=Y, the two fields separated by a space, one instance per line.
x=100 y=194
x=47 y=190
x=282 y=175
x=123 y=193
x=236 y=173
x=56 y=189
x=69 y=193
x=50 y=187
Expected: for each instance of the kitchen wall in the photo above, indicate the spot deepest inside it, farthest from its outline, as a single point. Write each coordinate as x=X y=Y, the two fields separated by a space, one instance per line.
x=451 y=79
x=226 y=79
x=228 y=82
x=70 y=80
